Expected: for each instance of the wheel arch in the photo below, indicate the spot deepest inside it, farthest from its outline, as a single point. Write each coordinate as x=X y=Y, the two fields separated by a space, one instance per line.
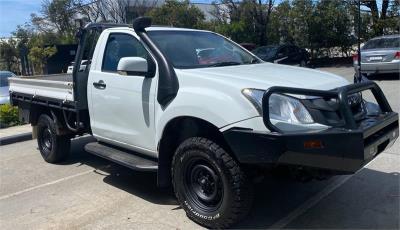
x=188 y=126
x=31 y=112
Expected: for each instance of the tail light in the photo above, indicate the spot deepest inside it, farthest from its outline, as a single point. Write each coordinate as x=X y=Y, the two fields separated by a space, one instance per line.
x=355 y=58
x=397 y=55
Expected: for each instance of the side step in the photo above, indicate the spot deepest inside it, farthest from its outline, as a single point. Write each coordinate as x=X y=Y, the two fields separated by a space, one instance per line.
x=122 y=157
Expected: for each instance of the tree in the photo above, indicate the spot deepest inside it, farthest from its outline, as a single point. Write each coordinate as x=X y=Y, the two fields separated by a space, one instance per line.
x=116 y=11
x=40 y=50
x=24 y=34
x=40 y=55
x=9 y=55
x=377 y=17
x=249 y=17
x=178 y=14
x=262 y=14
x=57 y=16
x=392 y=24
x=331 y=26
x=382 y=19
x=302 y=17
x=280 y=29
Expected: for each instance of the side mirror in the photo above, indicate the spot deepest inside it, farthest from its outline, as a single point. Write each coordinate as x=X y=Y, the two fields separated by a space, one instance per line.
x=132 y=66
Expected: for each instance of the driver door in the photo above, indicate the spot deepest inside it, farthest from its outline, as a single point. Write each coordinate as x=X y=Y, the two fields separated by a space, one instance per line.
x=122 y=106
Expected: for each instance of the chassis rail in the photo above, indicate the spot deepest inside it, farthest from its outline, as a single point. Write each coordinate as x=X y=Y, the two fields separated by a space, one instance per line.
x=17 y=97
x=25 y=101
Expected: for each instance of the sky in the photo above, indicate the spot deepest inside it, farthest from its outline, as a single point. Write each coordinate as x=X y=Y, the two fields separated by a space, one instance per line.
x=17 y=12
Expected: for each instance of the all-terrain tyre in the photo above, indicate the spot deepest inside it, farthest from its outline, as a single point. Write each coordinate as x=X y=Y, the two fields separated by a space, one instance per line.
x=209 y=184
x=52 y=147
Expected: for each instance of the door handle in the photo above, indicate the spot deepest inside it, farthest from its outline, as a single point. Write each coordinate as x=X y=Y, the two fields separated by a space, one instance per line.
x=100 y=84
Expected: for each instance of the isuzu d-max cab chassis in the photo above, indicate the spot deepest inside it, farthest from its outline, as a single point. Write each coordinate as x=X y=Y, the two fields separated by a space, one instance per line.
x=202 y=112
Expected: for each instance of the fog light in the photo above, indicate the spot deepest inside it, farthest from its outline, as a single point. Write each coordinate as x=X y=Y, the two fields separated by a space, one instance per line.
x=313 y=144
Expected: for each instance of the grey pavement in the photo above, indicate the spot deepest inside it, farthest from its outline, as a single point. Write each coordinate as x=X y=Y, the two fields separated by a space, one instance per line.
x=15 y=134
x=87 y=192
x=15 y=130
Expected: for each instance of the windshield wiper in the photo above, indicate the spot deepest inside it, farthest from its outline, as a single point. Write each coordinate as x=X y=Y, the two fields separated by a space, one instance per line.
x=226 y=63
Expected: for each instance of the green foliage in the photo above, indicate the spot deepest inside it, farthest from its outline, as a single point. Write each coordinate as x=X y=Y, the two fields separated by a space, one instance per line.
x=384 y=17
x=391 y=22
x=280 y=29
x=39 y=56
x=40 y=46
x=244 y=21
x=8 y=116
x=178 y=14
x=9 y=55
x=57 y=15
x=331 y=26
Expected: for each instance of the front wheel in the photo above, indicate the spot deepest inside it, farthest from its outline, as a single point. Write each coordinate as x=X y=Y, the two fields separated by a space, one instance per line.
x=52 y=147
x=209 y=184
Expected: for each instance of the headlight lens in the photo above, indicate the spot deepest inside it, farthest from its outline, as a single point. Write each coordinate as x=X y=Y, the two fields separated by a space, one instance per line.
x=285 y=112
x=288 y=109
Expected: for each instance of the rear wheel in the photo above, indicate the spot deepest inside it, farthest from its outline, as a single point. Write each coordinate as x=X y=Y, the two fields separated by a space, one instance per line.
x=209 y=184
x=52 y=147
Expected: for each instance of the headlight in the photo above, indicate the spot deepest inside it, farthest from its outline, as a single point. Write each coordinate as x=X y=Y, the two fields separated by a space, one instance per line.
x=288 y=109
x=285 y=112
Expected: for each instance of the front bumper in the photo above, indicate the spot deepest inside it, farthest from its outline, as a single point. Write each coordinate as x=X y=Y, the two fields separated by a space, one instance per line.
x=344 y=148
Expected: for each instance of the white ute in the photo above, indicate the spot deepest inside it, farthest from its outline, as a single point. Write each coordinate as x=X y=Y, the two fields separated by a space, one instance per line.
x=203 y=113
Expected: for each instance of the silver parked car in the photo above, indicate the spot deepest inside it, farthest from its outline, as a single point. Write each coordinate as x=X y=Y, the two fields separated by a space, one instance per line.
x=4 y=86
x=380 y=55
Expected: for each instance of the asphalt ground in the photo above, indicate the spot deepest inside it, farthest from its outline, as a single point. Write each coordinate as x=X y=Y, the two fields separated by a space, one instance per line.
x=87 y=192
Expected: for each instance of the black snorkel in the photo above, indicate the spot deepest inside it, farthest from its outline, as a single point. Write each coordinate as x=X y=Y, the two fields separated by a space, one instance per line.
x=168 y=84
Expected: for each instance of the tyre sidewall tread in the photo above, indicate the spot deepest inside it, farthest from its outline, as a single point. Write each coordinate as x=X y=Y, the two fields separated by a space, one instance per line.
x=60 y=144
x=237 y=190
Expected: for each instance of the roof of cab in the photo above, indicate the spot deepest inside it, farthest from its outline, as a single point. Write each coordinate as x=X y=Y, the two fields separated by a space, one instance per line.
x=157 y=28
x=112 y=26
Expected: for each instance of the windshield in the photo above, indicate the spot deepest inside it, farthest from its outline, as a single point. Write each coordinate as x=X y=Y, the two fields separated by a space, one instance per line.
x=382 y=43
x=197 y=49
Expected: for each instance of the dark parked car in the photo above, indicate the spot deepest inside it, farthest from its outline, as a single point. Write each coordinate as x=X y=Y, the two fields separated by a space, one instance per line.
x=283 y=54
x=248 y=46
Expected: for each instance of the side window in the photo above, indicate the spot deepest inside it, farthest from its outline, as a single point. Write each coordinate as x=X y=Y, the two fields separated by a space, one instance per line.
x=283 y=51
x=119 y=46
x=260 y=51
x=90 y=43
x=292 y=50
